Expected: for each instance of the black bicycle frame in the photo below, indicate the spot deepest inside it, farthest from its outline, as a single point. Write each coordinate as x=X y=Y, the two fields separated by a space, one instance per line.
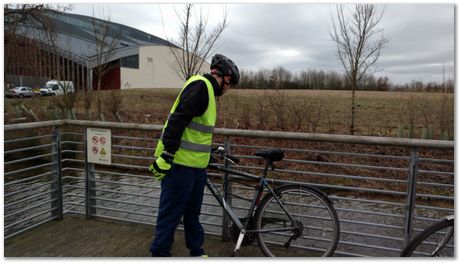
x=259 y=191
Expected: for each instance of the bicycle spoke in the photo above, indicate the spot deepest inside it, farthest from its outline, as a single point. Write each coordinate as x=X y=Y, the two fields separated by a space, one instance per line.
x=315 y=228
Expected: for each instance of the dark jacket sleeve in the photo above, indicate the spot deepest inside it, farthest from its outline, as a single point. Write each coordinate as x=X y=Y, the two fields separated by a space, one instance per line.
x=193 y=102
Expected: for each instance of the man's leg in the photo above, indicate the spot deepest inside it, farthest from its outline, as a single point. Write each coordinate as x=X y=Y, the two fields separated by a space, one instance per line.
x=175 y=193
x=194 y=232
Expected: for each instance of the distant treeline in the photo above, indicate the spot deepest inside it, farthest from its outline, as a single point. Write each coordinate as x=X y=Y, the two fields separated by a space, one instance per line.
x=280 y=78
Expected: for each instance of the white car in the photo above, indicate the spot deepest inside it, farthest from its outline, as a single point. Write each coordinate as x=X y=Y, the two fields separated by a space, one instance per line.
x=20 y=92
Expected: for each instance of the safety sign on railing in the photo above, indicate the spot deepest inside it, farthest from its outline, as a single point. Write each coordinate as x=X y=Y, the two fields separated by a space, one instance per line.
x=99 y=145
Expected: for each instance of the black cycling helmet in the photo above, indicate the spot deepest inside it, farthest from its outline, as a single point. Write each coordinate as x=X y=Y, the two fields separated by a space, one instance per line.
x=226 y=67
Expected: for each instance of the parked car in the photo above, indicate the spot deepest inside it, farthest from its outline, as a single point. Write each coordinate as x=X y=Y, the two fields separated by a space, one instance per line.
x=57 y=87
x=20 y=92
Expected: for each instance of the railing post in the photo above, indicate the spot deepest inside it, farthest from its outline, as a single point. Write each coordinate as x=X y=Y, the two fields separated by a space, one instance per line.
x=90 y=182
x=227 y=191
x=411 y=196
x=57 y=168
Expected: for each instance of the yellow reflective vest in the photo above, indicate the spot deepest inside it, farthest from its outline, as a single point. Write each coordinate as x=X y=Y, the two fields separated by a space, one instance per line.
x=195 y=147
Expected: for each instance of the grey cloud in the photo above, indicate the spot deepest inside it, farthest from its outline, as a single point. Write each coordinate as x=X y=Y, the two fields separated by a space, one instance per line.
x=296 y=35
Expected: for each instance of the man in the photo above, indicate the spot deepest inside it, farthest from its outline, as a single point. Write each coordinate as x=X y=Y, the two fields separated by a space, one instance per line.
x=183 y=153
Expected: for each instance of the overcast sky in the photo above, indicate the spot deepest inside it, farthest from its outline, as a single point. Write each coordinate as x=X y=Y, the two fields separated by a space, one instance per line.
x=296 y=35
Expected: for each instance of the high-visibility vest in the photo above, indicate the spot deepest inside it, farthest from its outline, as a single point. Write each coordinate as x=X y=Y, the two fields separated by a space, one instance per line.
x=195 y=146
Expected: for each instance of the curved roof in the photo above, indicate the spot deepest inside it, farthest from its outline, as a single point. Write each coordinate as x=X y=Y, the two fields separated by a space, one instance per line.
x=76 y=37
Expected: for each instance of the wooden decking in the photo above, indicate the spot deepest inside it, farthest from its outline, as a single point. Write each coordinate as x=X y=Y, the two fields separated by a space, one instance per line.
x=77 y=237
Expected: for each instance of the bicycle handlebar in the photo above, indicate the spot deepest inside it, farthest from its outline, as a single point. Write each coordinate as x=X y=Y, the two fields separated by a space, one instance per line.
x=222 y=154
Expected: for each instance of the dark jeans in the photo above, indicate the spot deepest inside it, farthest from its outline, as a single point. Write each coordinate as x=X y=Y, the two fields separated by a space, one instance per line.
x=181 y=195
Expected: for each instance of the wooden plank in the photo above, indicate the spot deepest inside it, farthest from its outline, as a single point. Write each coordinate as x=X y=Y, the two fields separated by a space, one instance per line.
x=77 y=237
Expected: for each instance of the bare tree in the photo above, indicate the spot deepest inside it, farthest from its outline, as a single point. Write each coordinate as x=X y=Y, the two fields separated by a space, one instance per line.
x=106 y=40
x=359 y=43
x=195 y=42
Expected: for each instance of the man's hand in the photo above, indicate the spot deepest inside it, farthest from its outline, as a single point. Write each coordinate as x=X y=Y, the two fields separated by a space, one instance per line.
x=161 y=167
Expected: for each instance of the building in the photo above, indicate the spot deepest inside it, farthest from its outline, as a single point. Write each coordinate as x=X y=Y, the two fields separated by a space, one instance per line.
x=81 y=48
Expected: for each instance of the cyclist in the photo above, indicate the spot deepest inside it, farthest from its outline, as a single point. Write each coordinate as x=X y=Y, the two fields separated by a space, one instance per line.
x=183 y=153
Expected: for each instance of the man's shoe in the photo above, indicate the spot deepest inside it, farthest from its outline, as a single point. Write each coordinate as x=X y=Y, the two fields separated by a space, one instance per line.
x=204 y=256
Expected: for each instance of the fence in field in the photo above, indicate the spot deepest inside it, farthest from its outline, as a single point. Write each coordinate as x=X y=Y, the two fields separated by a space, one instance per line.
x=385 y=190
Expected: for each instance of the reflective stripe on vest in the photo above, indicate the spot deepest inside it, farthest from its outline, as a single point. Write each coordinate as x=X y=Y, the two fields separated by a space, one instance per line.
x=194 y=150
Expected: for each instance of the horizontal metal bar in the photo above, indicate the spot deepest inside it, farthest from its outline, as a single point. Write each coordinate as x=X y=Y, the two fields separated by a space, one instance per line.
x=325 y=174
x=345 y=221
x=134 y=138
x=434 y=208
x=131 y=156
x=348 y=154
x=28 y=169
x=362 y=166
x=368 y=212
x=48 y=145
x=75 y=195
x=30 y=217
x=421 y=159
x=72 y=142
x=121 y=210
x=450 y=198
x=435 y=172
x=28 y=198
x=124 y=193
x=27 y=159
x=319 y=137
x=123 y=202
x=33 y=125
x=125 y=220
x=73 y=187
x=123 y=183
x=370 y=246
x=115 y=125
x=338 y=252
x=333 y=197
x=130 y=147
x=435 y=184
x=28 y=189
x=71 y=133
x=28 y=138
x=369 y=190
x=28 y=179
x=371 y=235
x=124 y=174
x=353 y=139
x=30 y=227
x=30 y=208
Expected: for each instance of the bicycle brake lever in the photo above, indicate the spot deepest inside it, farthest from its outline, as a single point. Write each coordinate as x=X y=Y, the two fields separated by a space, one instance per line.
x=228 y=159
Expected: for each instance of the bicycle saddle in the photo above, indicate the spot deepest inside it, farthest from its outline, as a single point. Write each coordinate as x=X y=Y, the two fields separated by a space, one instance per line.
x=274 y=154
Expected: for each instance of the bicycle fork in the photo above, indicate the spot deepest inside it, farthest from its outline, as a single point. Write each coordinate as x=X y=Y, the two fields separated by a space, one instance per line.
x=230 y=212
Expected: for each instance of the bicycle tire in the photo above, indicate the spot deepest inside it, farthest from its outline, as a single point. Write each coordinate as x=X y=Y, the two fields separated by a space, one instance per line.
x=319 y=238
x=425 y=235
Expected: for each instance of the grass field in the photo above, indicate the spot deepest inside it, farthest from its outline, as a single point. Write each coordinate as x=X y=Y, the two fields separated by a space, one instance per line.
x=377 y=113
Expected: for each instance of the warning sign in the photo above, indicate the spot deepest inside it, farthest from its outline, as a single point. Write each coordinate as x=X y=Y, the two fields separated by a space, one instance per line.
x=99 y=145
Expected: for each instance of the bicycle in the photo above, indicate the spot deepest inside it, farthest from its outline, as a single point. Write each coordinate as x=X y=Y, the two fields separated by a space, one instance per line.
x=435 y=241
x=290 y=220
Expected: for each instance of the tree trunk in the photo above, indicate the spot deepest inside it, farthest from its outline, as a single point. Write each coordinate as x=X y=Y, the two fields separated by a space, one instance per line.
x=353 y=104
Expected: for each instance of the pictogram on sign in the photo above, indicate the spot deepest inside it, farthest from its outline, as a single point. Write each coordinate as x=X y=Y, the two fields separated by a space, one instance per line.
x=99 y=145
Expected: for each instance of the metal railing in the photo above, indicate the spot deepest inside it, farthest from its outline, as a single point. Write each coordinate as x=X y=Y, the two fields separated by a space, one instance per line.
x=385 y=190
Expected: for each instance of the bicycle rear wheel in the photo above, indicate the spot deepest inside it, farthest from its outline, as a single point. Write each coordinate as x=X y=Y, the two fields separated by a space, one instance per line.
x=435 y=241
x=316 y=232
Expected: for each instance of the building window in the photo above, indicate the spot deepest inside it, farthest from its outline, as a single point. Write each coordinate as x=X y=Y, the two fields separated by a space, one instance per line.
x=130 y=62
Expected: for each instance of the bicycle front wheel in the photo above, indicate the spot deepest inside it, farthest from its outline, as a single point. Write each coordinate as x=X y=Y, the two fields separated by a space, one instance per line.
x=313 y=232
x=435 y=241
